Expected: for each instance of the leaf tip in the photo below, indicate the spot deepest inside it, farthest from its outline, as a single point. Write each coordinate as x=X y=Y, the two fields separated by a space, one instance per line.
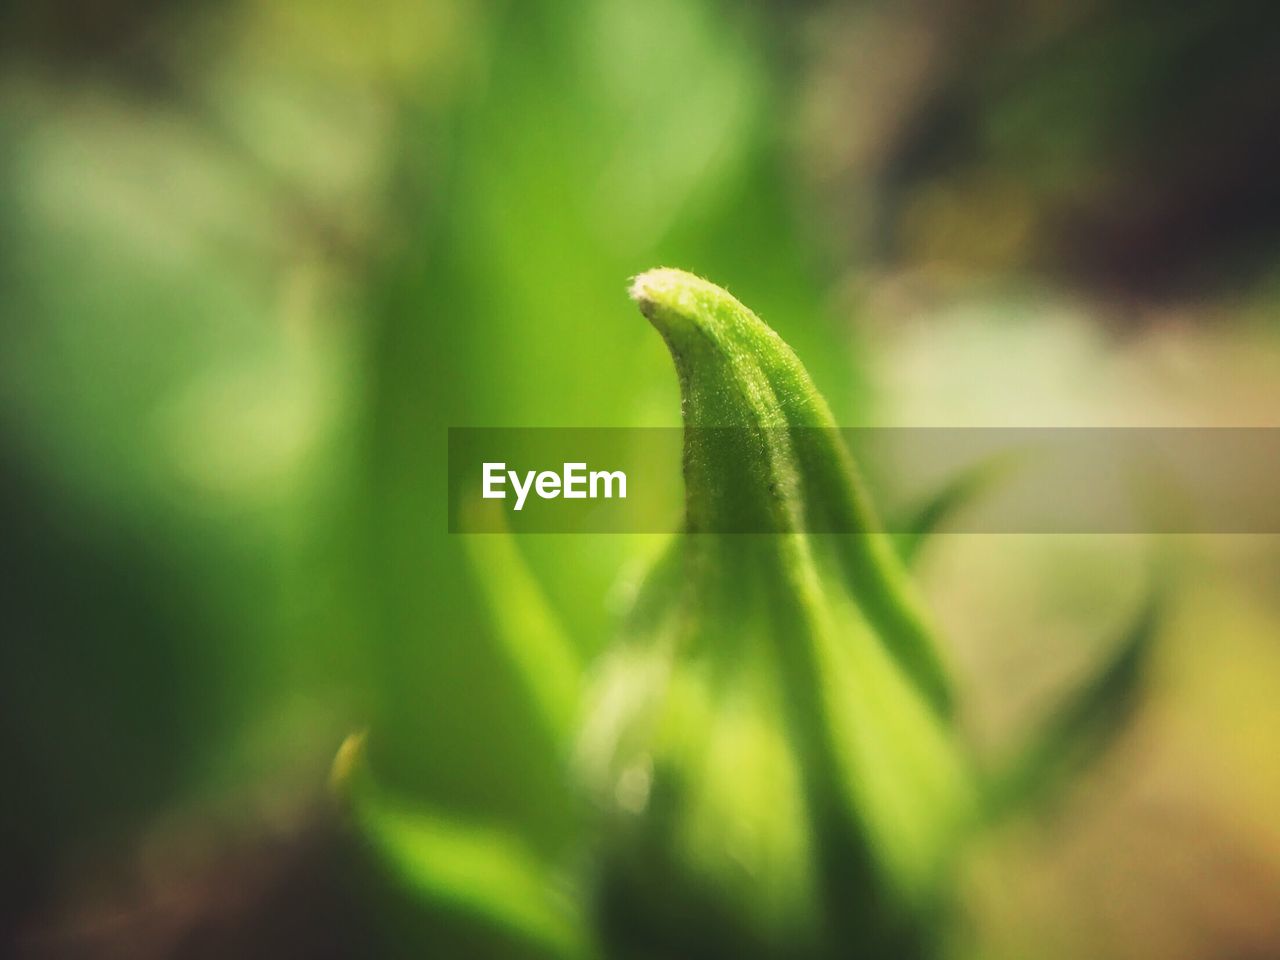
x=653 y=286
x=346 y=762
x=674 y=299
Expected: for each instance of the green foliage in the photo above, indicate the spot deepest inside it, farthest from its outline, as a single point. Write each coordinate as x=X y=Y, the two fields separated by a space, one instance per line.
x=515 y=211
x=768 y=748
x=486 y=874
x=932 y=515
x=1079 y=730
x=770 y=739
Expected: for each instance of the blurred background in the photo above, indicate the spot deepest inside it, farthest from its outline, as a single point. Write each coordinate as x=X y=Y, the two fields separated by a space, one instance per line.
x=256 y=256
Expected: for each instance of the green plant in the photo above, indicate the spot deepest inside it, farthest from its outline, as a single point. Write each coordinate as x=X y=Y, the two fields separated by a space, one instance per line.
x=768 y=751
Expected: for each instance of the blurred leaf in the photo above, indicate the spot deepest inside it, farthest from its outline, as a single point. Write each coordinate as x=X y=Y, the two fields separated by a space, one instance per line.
x=527 y=630
x=485 y=873
x=1081 y=730
x=174 y=397
x=599 y=138
x=952 y=498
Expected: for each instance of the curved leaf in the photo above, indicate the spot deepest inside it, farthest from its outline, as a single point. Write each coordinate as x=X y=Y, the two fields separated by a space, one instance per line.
x=481 y=871
x=1081 y=729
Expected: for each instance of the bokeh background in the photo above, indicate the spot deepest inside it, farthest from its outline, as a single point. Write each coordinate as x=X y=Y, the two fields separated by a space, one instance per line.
x=256 y=256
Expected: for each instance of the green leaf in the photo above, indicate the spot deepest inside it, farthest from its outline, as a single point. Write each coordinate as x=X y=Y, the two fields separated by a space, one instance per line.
x=483 y=872
x=527 y=630
x=578 y=144
x=767 y=742
x=784 y=467
x=935 y=512
x=1081 y=729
